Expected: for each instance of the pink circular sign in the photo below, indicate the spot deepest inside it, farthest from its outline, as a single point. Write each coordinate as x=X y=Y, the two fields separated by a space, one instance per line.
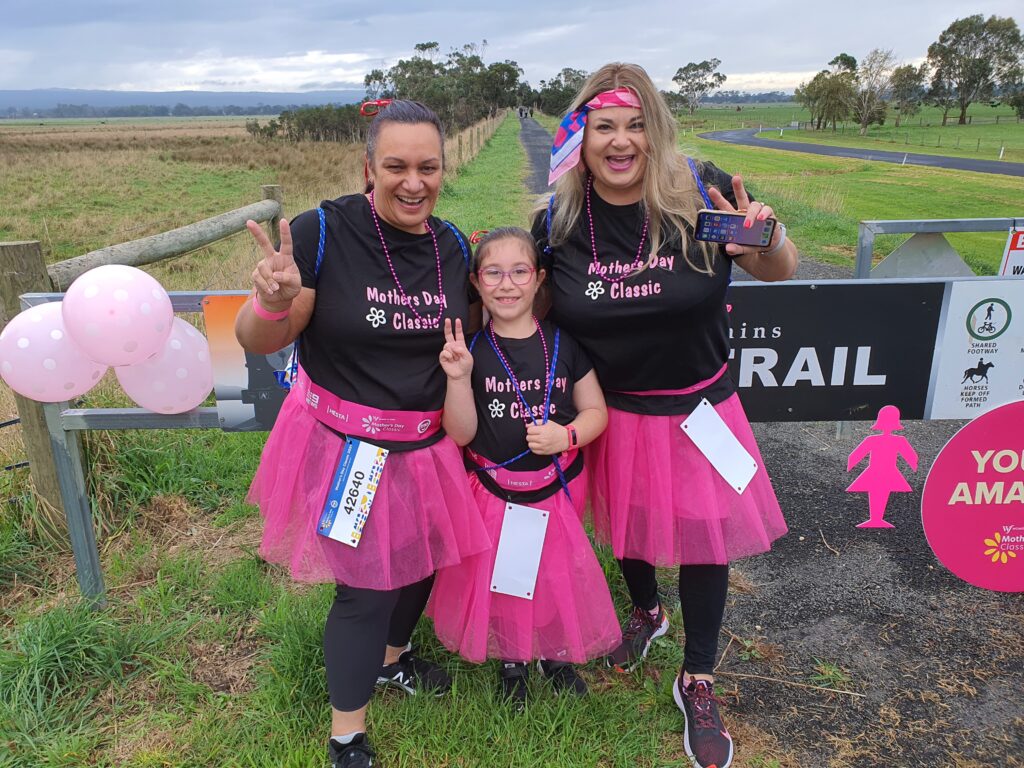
x=973 y=501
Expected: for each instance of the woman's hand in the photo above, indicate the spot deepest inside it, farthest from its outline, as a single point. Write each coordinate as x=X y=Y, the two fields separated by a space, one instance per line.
x=778 y=265
x=456 y=360
x=547 y=439
x=276 y=277
x=756 y=211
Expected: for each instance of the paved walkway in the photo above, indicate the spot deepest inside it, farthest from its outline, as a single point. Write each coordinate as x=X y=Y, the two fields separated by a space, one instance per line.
x=748 y=137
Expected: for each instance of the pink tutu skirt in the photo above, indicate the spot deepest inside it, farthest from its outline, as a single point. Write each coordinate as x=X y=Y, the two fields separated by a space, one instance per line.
x=423 y=516
x=570 y=618
x=656 y=498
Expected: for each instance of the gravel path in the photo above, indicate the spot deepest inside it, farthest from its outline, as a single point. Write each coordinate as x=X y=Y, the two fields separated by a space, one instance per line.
x=934 y=667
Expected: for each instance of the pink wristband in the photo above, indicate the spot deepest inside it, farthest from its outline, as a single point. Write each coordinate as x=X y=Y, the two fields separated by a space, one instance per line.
x=265 y=314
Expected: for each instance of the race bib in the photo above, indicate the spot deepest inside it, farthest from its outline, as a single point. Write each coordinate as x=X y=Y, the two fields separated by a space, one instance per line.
x=519 y=550
x=719 y=445
x=352 y=490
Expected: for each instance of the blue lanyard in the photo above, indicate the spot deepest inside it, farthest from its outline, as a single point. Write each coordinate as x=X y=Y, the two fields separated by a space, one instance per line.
x=700 y=184
x=526 y=407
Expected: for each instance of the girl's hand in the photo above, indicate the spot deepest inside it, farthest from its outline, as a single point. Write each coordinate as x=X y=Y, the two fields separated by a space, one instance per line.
x=276 y=277
x=756 y=211
x=547 y=439
x=456 y=361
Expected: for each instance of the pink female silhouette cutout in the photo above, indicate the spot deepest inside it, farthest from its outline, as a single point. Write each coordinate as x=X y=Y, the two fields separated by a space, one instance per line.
x=882 y=477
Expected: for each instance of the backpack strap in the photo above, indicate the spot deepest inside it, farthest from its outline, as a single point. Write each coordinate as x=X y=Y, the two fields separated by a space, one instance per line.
x=462 y=243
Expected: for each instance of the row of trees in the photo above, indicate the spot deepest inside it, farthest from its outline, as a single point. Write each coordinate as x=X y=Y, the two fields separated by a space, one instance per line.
x=974 y=59
x=142 y=110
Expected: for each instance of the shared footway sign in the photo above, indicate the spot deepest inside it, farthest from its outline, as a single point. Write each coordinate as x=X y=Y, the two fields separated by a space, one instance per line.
x=840 y=350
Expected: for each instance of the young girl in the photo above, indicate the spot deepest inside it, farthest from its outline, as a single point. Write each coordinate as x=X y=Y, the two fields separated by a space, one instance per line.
x=523 y=398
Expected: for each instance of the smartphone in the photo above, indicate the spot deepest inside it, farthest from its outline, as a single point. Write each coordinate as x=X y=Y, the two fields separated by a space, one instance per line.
x=724 y=227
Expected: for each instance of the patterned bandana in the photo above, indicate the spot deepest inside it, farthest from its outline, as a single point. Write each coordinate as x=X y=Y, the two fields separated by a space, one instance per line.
x=565 y=151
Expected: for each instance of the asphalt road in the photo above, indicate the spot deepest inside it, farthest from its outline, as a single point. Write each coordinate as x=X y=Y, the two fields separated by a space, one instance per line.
x=748 y=138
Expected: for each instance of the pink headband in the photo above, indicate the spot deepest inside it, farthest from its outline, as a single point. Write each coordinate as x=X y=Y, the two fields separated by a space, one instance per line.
x=565 y=151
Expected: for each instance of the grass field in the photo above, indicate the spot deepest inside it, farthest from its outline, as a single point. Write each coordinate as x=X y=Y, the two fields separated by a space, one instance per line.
x=822 y=199
x=207 y=656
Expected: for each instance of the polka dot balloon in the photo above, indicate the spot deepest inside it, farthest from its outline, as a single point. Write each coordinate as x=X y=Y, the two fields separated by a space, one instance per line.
x=118 y=315
x=177 y=378
x=40 y=360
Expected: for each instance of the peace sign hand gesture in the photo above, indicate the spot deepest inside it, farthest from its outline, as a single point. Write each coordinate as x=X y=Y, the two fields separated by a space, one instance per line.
x=276 y=277
x=755 y=211
x=456 y=361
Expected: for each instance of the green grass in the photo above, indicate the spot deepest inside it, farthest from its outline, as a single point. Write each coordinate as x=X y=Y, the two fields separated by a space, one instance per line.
x=201 y=660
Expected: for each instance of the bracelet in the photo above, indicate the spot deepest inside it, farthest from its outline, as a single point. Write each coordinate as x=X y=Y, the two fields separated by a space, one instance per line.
x=266 y=314
x=574 y=439
x=778 y=246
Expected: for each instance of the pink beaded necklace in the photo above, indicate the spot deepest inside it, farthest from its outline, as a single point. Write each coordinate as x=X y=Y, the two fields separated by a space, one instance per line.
x=548 y=373
x=435 y=321
x=637 y=262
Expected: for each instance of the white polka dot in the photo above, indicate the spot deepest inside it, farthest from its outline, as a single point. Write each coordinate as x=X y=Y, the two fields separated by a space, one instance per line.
x=159 y=386
x=6 y=367
x=156 y=293
x=145 y=308
x=56 y=334
x=202 y=355
x=121 y=294
x=130 y=346
x=36 y=317
x=181 y=373
x=175 y=344
x=23 y=343
x=50 y=364
x=92 y=329
x=192 y=332
x=91 y=291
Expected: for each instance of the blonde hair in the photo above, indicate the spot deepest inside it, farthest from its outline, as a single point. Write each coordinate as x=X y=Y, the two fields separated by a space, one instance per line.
x=669 y=193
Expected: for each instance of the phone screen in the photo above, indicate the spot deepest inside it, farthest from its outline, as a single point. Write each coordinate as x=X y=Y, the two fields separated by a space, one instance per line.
x=724 y=227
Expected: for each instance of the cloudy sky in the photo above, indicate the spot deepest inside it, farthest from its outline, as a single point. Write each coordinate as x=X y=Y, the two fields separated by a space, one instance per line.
x=321 y=44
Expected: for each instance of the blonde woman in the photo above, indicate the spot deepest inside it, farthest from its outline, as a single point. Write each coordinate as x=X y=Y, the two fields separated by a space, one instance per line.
x=647 y=303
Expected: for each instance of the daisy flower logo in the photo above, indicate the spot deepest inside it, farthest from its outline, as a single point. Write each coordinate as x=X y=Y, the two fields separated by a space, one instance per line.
x=594 y=290
x=995 y=551
x=376 y=317
x=497 y=408
x=370 y=425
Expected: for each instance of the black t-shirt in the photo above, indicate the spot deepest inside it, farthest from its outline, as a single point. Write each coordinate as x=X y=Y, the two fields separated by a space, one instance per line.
x=501 y=428
x=365 y=342
x=665 y=327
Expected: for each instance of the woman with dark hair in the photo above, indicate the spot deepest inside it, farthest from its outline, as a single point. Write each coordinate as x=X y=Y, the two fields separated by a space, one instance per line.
x=363 y=285
x=647 y=303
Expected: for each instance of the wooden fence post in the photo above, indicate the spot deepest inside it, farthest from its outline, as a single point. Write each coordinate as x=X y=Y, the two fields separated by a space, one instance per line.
x=274 y=192
x=22 y=270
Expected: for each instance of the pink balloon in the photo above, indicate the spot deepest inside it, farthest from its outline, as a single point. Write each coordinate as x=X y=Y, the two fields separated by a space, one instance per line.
x=118 y=315
x=177 y=378
x=40 y=360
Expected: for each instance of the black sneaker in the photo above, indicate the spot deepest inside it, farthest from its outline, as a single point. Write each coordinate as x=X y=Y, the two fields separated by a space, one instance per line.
x=414 y=675
x=640 y=631
x=705 y=738
x=563 y=677
x=356 y=754
x=513 y=684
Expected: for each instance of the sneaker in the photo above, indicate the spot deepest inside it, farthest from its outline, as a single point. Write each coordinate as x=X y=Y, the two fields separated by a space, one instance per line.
x=705 y=738
x=513 y=684
x=413 y=675
x=638 y=634
x=563 y=677
x=356 y=754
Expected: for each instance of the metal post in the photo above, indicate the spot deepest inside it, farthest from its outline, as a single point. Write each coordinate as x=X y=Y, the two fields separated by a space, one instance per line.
x=67 y=456
x=865 y=250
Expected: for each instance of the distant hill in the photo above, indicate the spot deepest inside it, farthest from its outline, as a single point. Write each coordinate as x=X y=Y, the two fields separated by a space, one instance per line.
x=49 y=98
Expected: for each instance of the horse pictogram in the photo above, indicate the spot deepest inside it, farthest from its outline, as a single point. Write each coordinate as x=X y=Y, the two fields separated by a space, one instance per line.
x=979 y=373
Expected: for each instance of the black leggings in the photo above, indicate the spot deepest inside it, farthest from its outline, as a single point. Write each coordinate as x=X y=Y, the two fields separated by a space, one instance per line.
x=359 y=626
x=702 y=592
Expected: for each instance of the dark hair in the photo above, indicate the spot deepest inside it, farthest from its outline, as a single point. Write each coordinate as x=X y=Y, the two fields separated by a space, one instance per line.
x=405 y=112
x=506 y=233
